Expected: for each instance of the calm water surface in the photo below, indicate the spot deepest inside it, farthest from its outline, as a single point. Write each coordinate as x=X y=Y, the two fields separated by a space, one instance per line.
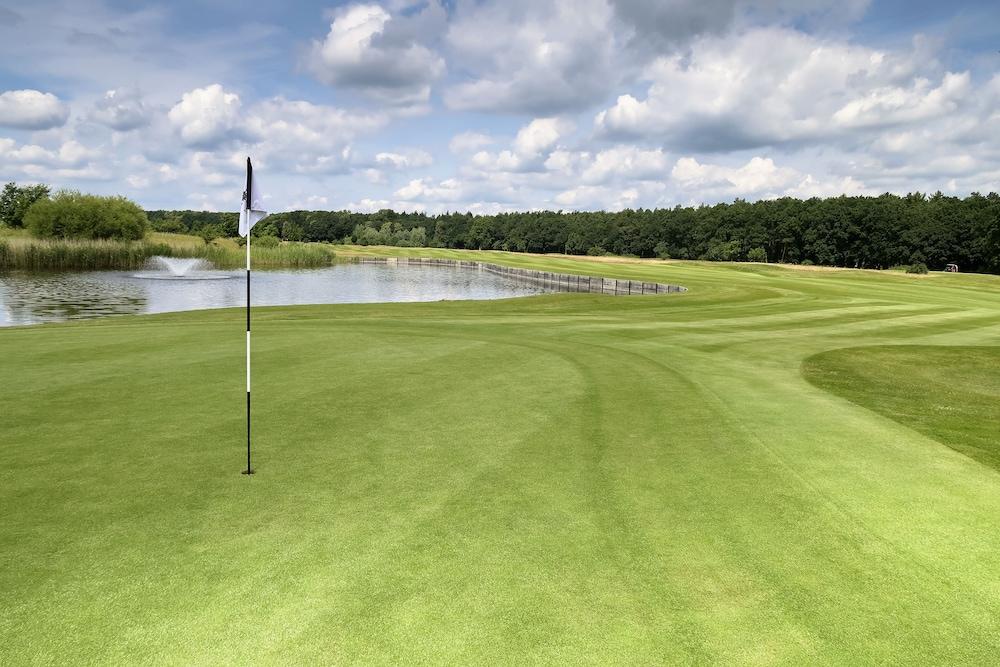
x=31 y=298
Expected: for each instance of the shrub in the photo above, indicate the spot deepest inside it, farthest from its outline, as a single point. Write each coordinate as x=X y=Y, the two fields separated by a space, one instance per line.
x=919 y=267
x=596 y=251
x=662 y=250
x=806 y=262
x=70 y=214
x=757 y=255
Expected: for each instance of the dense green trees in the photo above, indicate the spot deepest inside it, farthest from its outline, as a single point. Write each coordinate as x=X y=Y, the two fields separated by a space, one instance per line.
x=70 y=214
x=16 y=200
x=865 y=232
x=390 y=233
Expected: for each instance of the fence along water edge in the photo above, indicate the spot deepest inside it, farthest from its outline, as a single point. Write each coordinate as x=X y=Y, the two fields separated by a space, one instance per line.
x=558 y=282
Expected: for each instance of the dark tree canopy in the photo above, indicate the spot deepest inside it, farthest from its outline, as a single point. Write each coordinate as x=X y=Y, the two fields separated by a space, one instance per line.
x=863 y=232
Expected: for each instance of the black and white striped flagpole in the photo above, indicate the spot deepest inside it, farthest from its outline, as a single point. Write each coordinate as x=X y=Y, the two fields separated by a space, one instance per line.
x=249 y=206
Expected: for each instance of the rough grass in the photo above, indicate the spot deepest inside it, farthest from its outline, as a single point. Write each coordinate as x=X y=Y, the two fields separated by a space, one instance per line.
x=177 y=240
x=561 y=479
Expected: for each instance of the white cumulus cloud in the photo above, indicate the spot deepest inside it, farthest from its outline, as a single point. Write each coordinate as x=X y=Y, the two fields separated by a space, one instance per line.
x=530 y=148
x=206 y=117
x=32 y=110
x=296 y=126
x=469 y=142
x=769 y=86
x=758 y=176
x=408 y=159
x=449 y=190
x=121 y=109
x=364 y=50
x=68 y=160
x=598 y=197
x=533 y=57
x=627 y=162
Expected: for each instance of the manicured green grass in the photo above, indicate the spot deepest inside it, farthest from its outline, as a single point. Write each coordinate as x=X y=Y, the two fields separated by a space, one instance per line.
x=561 y=479
x=951 y=394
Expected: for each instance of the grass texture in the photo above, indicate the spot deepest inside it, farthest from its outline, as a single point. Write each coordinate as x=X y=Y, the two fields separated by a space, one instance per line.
x=951 y=394
x=22 y=252
x=562 y=479
x=286 y=255
x=67 y=255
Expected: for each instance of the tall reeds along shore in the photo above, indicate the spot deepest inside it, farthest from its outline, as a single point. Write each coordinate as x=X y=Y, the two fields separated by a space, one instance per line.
x=31 y=254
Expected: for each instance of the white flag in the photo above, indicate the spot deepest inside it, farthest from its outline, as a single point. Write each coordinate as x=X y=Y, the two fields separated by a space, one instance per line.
x=253 y=211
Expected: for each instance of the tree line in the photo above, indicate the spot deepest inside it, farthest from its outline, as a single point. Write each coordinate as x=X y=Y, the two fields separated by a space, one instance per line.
x=862 y=232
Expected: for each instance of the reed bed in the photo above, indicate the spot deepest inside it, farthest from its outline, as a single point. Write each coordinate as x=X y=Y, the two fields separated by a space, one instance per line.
x=288 y=255
x=62 y=255
x=30 y=254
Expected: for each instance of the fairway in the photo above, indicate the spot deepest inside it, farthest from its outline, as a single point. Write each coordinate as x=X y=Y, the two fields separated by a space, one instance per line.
x=569 y=478
x=950 y=393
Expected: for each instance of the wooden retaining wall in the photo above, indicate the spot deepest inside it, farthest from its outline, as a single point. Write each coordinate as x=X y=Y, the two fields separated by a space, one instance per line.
x=557 y=282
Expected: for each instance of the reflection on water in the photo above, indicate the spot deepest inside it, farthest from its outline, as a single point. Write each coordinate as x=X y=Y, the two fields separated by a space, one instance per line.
x=31 y=298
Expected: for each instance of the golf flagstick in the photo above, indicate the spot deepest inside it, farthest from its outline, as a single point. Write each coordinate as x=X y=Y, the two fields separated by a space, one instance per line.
x=251 y=212
x=249 y=470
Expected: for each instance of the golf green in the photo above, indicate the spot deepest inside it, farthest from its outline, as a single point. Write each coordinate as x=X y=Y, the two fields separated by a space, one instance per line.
x=710 y=477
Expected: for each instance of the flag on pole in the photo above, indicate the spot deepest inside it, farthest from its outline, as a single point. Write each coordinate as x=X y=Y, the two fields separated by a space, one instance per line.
x=251 y=212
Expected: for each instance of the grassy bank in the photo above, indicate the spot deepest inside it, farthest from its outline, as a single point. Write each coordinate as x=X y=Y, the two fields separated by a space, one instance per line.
x=561 y=479
x=22 y=252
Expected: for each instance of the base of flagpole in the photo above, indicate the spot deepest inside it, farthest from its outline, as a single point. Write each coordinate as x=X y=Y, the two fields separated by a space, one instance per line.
x=249 y=471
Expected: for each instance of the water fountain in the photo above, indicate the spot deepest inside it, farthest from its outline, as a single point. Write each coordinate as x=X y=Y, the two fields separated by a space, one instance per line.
x=181 y=268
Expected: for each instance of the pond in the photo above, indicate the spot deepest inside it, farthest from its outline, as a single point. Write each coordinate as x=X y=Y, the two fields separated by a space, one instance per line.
x=32 y=298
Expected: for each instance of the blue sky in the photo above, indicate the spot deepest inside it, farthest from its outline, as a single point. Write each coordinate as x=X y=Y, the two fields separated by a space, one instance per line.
x=492 y=106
